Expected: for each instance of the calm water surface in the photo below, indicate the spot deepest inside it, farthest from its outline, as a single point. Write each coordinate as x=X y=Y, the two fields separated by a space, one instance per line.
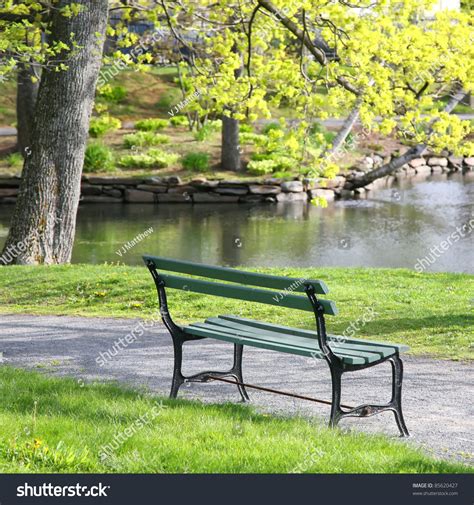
x=393 y=228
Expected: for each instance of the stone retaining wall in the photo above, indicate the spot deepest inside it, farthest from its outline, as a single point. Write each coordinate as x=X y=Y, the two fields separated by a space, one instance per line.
x=200 y=190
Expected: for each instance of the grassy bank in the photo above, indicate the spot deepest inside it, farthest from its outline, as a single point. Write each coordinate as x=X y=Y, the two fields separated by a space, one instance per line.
x=432 y=313
x=60 y=425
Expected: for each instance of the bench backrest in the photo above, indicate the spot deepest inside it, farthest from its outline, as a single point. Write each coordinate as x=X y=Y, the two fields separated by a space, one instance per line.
x=284 y=297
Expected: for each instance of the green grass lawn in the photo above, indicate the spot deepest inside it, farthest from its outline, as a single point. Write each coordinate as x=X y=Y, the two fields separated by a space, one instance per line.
x=62 y=425
x=432 y=313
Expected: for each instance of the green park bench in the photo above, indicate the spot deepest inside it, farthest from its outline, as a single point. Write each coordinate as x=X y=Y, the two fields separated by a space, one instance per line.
x=342 y=354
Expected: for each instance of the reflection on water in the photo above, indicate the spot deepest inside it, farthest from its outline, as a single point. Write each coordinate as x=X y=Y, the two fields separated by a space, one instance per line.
x=393 y=228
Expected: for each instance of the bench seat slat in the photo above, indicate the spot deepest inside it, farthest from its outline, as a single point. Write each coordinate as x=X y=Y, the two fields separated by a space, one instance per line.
x=238 y=276
x=244 y=293
x=363 y=349
x=264 y=337
x=262 y=343
x=293 y=345
x=312 y=334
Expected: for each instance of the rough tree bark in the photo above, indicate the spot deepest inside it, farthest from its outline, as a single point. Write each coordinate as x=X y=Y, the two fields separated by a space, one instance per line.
x=44 y=220
x=411 y=154
x=27 y=93
x=230 y=147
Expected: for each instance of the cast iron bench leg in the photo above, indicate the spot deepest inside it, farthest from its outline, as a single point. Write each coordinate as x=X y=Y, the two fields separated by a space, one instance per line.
x=395 y=404
x=237 y=371
x=336 y=411
x=178 y=378
x=397 y=379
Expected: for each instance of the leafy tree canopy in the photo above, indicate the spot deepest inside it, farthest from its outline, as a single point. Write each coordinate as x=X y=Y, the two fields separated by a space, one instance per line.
x=244 y=59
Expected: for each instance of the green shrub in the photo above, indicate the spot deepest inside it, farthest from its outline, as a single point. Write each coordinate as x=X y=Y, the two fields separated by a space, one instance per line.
x=207 y=130
x=144 y=139
x=197 y=162
x=252 y=138
x=99 y=126
x=98 y=158
x=151 y=125
x=154 y=158
x=203 y=133
x=15 y=160
x=281 y=161
x=216 y=124
x=266 y=163
x=319 y=135
x=113 y=94
x=261 y=156
x=262 y=167
x=271 y=126
x=284 y=163
x=179 y=121
x=245 y=128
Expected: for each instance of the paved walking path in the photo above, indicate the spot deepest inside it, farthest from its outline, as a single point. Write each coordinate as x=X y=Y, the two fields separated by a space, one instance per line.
x=437 y=394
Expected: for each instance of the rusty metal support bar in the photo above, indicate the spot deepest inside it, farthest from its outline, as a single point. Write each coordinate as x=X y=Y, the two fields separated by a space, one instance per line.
x=276 y=391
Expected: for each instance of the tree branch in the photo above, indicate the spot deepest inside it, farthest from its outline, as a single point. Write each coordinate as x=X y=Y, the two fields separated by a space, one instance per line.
x=411 y=154
x=302 y=36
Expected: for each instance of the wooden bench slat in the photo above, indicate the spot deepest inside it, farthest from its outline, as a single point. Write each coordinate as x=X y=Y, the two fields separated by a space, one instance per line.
x=369 y=355
x=244 y=293
x=373 y=353
x=312 y=334
x=309 y=346
x=222 y=334
x=267 y=336
x=281 y=283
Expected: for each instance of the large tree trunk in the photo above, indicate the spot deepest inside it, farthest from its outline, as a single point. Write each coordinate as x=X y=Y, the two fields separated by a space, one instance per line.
x=26 y=96
x=230 y=149
x=44 y=220
x=412 y=153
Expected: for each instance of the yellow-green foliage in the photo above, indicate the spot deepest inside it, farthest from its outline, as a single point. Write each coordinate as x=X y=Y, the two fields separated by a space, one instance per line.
x=151 y=125
x=147 y=138
x=396 y=58
x=99 y=126
x=154 y=158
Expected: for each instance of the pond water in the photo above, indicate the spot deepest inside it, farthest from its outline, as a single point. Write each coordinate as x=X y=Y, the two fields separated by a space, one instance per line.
x=393 y=228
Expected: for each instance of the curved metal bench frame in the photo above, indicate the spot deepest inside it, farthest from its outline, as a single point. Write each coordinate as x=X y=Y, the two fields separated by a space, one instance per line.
x=336 y=365
x=180 y=337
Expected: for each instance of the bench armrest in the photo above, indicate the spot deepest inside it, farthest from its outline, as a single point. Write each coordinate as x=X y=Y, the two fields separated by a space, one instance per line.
x=321 y=325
